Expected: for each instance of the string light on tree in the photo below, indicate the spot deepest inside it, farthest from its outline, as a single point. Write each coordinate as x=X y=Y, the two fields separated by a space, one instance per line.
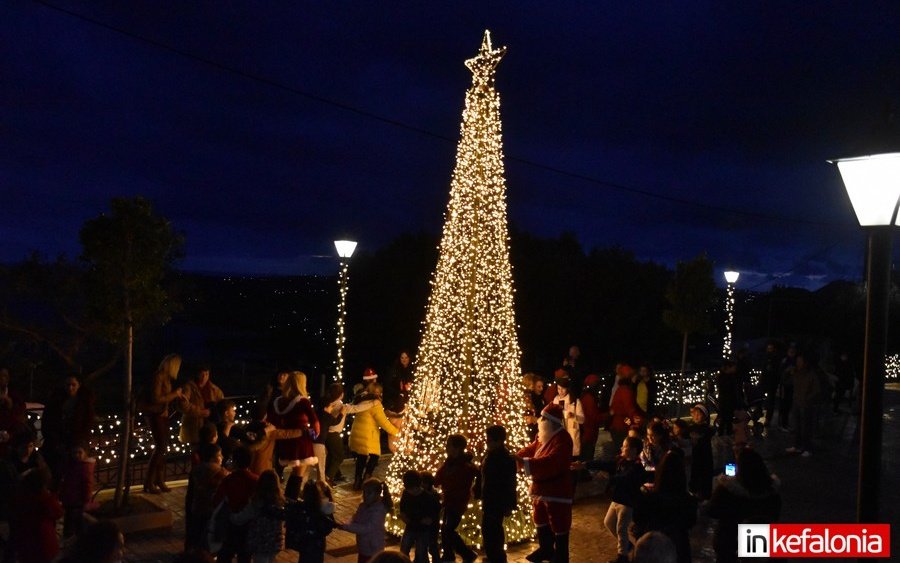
x=345 y=250
x=468 y=372
x=731 y=278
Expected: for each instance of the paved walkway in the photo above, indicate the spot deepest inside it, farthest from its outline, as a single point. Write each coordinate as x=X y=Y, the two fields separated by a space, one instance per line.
x=821 y=488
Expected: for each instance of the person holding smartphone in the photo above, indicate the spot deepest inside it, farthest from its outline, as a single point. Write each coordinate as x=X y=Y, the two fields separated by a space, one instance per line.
x=750 y=496
x=573 y=413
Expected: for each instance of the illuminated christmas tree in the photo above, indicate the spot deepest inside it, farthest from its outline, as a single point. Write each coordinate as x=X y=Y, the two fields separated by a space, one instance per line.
x=467 y=370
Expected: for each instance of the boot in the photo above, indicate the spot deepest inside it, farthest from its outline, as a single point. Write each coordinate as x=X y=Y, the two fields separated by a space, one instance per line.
x=161 y=477
x=150 y=477
x=292 y=487
x=561 y=552
x=544 y=552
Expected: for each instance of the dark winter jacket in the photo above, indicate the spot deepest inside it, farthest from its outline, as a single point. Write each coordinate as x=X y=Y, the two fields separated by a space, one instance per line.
x=701 y=460
x=455 y=478
x=733 y=504
x=672 y=514
x=306 y=528
x=626 y=478
x=497 y=483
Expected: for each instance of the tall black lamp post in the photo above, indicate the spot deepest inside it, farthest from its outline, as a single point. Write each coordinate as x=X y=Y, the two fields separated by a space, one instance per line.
x=345 y=250
x=731 y=278
x=873 y=184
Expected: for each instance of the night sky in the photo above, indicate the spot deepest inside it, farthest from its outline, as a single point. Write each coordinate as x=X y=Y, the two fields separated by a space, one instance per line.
x=264 y=131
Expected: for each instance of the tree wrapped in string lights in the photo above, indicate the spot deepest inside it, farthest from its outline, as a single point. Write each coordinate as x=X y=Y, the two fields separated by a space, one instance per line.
x=468 y=366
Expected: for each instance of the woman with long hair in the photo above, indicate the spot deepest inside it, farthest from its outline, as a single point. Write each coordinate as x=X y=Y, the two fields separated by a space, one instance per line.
x=156 y=415
x=667 y=507
x=293 y=410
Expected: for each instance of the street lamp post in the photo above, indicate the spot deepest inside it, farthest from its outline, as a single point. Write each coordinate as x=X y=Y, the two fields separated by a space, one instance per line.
x=345 y=250
x=731 y=278
x=873 y=184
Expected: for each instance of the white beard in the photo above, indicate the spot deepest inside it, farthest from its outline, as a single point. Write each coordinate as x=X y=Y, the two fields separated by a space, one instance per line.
x=546 y=430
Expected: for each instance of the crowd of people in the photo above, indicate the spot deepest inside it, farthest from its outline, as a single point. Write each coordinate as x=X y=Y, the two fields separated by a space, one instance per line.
x=251 y=491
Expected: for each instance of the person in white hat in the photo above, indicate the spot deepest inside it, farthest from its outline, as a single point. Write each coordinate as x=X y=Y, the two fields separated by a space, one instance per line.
x=546 y=461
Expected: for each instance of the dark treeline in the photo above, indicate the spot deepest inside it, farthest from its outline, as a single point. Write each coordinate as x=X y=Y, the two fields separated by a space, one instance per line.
x=605 y=300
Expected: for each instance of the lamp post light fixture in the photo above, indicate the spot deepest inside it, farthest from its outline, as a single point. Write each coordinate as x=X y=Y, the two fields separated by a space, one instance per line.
x=345 y=250
x=873 y=184
x=731 y=278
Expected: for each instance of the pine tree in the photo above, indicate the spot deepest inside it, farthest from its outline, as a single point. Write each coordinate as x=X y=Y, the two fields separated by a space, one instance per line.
x=467 y=370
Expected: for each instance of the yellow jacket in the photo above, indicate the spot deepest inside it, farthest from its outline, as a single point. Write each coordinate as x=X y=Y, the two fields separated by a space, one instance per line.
x=364 y=436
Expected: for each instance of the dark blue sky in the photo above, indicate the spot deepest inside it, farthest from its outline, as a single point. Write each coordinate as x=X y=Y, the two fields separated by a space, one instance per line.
x=265 y=131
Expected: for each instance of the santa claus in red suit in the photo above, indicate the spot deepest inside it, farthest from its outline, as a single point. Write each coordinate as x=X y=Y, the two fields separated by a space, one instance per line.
x=546 y=461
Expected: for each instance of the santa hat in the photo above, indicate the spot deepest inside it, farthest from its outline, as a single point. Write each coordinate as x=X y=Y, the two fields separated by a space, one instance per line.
x=369 y=375
x=702 y=409
x=553 y=412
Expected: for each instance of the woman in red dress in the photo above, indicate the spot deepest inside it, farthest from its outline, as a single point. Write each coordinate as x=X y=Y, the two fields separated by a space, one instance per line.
x=293 y=410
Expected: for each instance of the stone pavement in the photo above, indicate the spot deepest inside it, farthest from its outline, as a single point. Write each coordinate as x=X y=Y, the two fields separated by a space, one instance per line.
x=821 y=488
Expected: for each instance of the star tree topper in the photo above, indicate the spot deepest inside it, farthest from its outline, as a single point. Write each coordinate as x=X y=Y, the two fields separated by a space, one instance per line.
x=483 y=65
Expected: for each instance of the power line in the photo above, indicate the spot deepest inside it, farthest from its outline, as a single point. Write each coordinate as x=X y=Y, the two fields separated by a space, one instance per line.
x=406 y=126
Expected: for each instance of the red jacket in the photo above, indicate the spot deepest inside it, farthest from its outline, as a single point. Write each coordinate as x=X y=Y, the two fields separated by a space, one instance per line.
x=622 y=406
x=548 y=467
x=593 y=417
x=77 y=486
x=455 y=478
x=34 y=533
x=237 y=488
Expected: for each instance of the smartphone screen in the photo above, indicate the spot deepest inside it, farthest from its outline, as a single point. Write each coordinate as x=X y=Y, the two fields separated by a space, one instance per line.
x=730 y=469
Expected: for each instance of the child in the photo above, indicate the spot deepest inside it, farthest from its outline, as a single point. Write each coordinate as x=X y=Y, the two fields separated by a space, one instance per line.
x=455 y=478
x=261 y=437
x=681 y=439
x=368 y=522
x=701 y=434
x=265 y=514
x=628 y=476
x=236 y=489
x=412 y=513
x=34 y=519
x=203 y=481
x=657 y=445
x=308 y=524
x=76 y=490
x=497 y=491
x=432 y=515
